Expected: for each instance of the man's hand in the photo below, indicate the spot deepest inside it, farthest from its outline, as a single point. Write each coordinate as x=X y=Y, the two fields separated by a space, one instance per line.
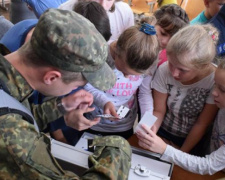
x=109 y=108
x=78 y=100
x=76 y=119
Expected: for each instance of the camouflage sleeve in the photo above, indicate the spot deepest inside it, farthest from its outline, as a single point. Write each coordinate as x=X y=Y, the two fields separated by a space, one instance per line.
x=25 y=154
x=45 y=113
x=111 y=159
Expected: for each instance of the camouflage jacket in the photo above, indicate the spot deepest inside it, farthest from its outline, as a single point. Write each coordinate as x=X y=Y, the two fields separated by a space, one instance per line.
x=25 y=153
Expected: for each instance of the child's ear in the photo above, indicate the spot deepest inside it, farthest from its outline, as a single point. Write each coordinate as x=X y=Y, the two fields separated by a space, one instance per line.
x=51 y=76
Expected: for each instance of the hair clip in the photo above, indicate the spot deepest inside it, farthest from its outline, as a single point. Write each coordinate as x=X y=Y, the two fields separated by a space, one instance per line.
x=213 y=35
x=147 y=29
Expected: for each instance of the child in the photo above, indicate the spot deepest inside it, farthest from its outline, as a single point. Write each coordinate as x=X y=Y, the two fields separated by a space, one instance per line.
x=170 y=18
x=211 y=163
x=95 y=13
x=131 y=57
x=120 y=15
x=182 y=87
x=212 y=7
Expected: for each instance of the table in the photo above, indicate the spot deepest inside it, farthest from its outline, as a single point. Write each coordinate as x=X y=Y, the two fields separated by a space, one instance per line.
x=179 y=173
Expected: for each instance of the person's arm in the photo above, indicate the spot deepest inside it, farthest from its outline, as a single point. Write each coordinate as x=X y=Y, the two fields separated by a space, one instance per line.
x=160 y=104
x=198 y=130
x=40 y=6
x=145 y=95
x=21 y=147
x=160 y=94
x=100 y=99
x=47 y=111
x=37 y=7
x=209 y=164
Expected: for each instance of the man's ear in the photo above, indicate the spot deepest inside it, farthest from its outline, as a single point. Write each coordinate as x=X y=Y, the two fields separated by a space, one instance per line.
x=51 y=77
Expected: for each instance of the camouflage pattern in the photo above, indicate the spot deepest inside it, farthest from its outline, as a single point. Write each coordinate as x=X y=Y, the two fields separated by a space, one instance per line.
x=25 y=154
x=70 y=42
x=115 y=162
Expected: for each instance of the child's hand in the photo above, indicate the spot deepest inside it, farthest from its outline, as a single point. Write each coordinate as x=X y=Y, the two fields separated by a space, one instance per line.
x=154 y=128
x=149 y=140
x=109 y=108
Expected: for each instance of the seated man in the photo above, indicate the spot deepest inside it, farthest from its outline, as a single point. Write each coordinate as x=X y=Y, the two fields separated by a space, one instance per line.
x=60 y=56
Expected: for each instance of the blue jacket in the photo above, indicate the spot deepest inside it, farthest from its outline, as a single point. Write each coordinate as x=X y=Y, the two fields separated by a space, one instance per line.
x=219 y=22
x=40 y=6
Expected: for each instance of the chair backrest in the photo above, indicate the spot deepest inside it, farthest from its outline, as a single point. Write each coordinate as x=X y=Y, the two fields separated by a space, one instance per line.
x=192 y=7
x=140 y=6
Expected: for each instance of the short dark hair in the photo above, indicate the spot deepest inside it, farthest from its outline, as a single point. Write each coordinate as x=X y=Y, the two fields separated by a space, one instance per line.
x=30 y=58
x=95 y=13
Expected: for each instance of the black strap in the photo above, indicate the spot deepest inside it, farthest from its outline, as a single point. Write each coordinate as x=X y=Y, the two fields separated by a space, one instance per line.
x=27 y=117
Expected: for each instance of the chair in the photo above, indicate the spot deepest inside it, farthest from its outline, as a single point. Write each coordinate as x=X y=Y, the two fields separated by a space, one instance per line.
x=192 y=7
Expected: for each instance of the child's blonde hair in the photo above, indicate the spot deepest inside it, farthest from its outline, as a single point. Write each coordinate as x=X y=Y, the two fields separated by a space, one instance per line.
x=140 y=49
x=195 y=45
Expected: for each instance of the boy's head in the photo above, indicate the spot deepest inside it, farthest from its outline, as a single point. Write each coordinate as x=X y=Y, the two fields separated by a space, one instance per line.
x=212 y=7
x=170 y=18
x=95 y=13
x=219 y=88
x=71 y=45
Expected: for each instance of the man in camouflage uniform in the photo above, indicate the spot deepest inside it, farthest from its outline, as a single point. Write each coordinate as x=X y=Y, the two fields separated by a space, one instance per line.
x=64 y=52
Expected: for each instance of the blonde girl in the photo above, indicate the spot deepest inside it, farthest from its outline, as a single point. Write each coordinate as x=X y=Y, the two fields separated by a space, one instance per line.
x=211 y=163
x=183 y=101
